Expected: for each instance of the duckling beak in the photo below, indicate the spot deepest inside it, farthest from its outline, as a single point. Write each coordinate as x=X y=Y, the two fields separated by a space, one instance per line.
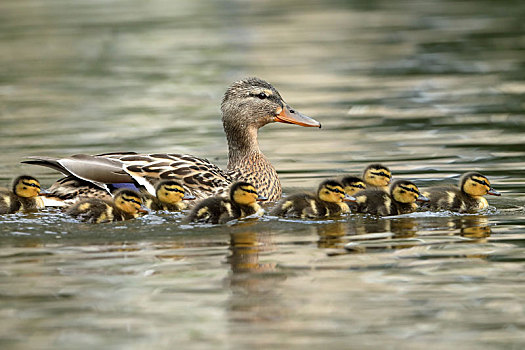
x=348 y=198
x=422 y=198
x=261 y=199
x=289 y=116
x=188 y=197
x=142 y=211
x=493 y=192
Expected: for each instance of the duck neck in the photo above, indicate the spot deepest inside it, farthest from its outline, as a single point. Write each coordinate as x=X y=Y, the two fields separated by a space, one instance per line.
x=242 y=145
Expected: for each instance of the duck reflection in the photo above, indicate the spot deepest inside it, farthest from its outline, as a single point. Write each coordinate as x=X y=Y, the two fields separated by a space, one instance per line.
x=331 y=235
x=254 y=284
x=475 y=227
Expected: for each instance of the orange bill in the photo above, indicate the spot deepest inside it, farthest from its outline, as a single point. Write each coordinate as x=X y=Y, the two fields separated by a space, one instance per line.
x=290 y=116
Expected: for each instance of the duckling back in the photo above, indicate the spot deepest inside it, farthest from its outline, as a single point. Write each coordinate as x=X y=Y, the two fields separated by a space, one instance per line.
x=453 y=199
x=214 y=210
x=298 y=205
x=373 y=201
x=95 y=211
x=306 y=205
x=9 y=203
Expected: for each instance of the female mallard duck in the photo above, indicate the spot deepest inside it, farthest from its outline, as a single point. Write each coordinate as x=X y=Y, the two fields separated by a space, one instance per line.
x=125 y=205
x=23 y=197
x=169 y=196
x=401 y=199
x=466 y=198
x=219 y=210
x=247 y=105
x=377 y=176
x=353 y=184
x=328 y=201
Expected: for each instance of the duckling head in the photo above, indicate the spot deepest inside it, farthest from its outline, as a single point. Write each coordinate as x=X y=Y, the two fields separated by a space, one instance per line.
x=26 y=186
x=251 y=103
x=404 y=191
x=244 y=193
x=377 y=175
x=128 y=201
x=352 y=185
x=333 y=191
x=171 y=192
x=474 y=184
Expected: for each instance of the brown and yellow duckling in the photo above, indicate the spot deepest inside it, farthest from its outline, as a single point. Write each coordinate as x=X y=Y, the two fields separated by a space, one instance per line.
x=328 y=201
x=169 y=196
x=467 y=198
x=219 y=210
x=377 y=176
x=353 y=184
x=400 y=200
x=126 y=205
x=24 y=196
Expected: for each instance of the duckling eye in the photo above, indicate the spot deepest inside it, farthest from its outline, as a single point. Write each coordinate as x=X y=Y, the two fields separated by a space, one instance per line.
x=402 y=191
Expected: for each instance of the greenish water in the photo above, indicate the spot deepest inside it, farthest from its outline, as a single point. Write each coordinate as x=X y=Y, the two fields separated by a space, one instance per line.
x=430 y=88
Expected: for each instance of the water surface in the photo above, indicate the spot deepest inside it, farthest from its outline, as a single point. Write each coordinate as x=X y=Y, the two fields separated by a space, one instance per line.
x=431 y=89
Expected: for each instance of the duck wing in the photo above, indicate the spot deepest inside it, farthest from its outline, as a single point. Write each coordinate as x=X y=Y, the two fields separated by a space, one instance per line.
x=197 y=175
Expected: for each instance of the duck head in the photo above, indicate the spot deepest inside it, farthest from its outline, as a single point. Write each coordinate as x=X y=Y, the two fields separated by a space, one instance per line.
x=404 y=191
x=171 y=192
x=475 y=184
x=333 y=191
x=251 y=103
x=352 y=185
x=26 y=186
x=128 y=201
x=377 y=175
x=244 y=193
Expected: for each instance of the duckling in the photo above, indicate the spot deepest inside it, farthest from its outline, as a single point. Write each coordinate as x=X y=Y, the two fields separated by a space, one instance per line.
x=377 y=176
x=353 y=184
x=467 y=198
x=125 y=206
x=169 y=196
x=219 y=210
x=401 y=199
x=328 y=201
x=23 y=197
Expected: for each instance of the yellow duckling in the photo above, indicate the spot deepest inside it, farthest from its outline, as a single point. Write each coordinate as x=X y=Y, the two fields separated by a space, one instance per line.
x=466 y=198
x=169 y=196
x=353 y=184
x=125 y=206
x=23 y=197
x=218 y=210
x=328 y=201
x=377 y=176
x=401 y=199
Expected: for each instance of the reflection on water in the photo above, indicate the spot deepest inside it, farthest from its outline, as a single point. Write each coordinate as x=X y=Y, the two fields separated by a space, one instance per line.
x=432 y=89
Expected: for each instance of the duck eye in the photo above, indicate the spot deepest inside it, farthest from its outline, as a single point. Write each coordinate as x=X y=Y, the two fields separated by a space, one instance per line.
x=262 y=95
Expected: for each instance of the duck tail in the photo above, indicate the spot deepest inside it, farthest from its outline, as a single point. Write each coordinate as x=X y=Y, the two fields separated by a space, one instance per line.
x=48 y=162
